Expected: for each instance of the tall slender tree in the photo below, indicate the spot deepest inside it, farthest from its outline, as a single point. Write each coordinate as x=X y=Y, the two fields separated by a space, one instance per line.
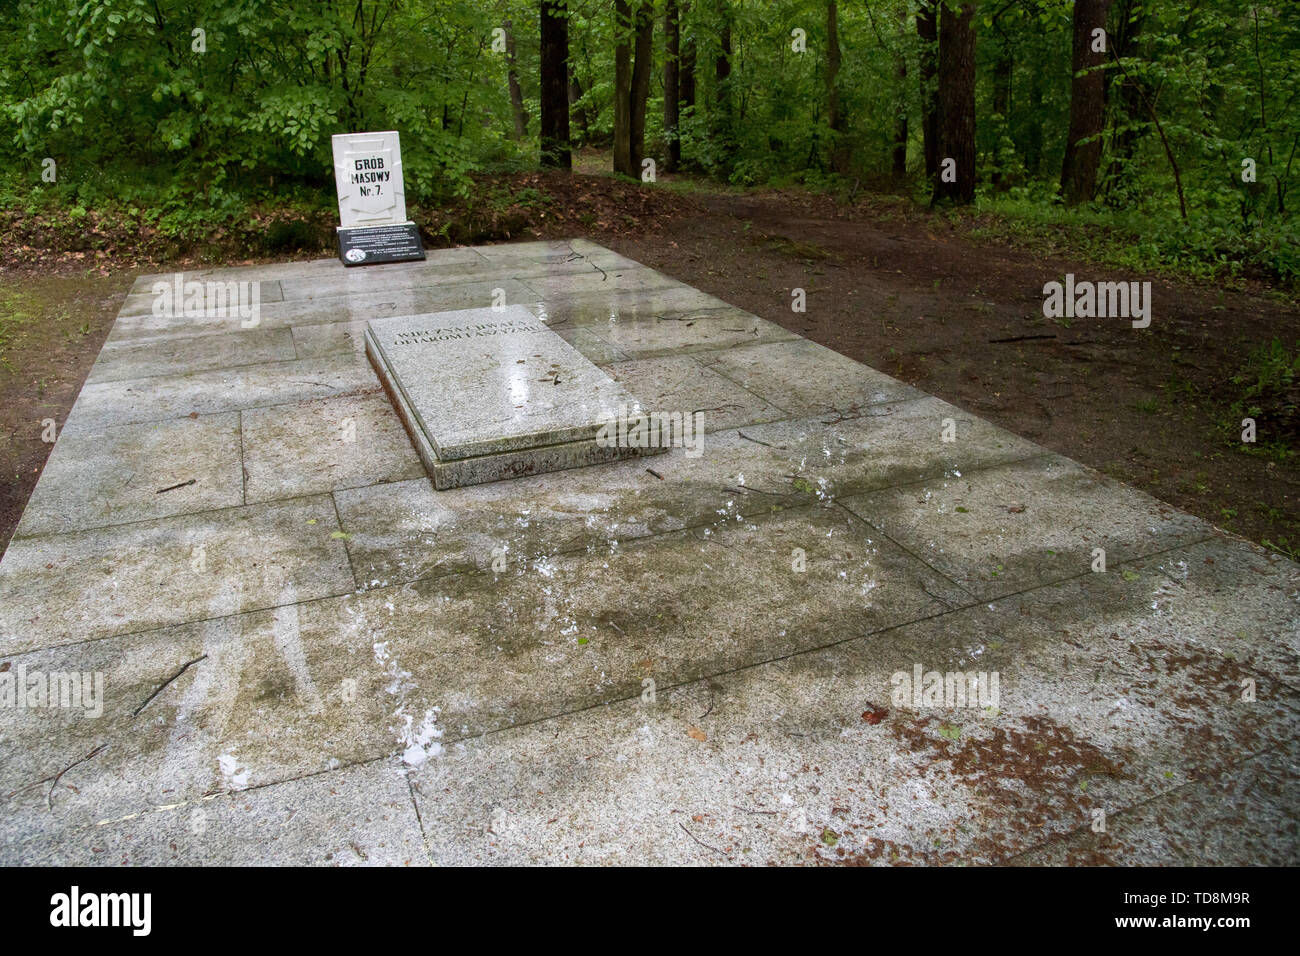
x=555 y=85
x=956 y=182
x=899 y=167
x=512 y=78
x=622 y=87
x=1087 y=102
x=834 y=119
x=927 y=29
x=1126 y=94
x=578 y=111
x=644 y=24
x=720 y=119
x=672 y=83
x=686 y=78
x=633 y=52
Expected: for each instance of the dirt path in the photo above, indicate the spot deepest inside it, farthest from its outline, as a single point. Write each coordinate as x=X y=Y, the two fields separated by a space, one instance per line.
x=898 y=289
x=51 y=329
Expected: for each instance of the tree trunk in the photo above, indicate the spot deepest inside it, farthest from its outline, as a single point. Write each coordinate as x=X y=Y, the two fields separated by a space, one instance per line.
x=672 y=72
x=555 y=86
x=631 y=82
x=900 y=124
x=645 y=34
x=1087 y=105
x=575 y=95
x=687 y=76
x=516 y=94
x=927 y=28
x=1128 y=110
x=622 y=87
x=956 y=104
x=839 y=161
x=721 y=118
x=832 y=65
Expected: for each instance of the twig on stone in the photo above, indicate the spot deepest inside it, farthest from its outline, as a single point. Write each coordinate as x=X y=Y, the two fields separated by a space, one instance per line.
x=710 y=710
x=758 y=442
x=161 y=687
x=183 y=484
x=699 y=841
x=54 y=781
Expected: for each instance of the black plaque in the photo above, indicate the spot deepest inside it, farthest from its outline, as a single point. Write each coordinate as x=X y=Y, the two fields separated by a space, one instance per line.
x=368 y=245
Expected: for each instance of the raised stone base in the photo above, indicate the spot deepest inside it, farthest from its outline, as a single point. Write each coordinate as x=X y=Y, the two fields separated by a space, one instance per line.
x=489 y=395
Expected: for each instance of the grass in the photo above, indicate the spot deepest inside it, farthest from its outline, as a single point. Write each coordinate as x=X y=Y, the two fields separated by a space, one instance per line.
x=16 y=310
x=1267 y=389
x=1152 y=242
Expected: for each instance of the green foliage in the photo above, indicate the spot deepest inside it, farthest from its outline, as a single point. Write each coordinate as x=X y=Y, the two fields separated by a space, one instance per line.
x=118 y=89
x=1269 y=384
x=119 y=94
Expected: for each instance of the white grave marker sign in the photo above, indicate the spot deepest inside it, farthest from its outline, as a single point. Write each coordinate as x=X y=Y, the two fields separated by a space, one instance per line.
x=372 y=200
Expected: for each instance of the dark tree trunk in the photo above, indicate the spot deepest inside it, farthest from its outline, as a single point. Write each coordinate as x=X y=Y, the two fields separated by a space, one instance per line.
x=1127 y=112
x=622 y=87
x=631 y=82
x=645 y=34
x=672 y=91
x=687 y=77
x=927 y=28
x=834 y=119
x=512 y=76
x=900 y=124
x=575 y=95
x=721 y=118
x=1087 y=105
x=555 y=86
x=957 y=103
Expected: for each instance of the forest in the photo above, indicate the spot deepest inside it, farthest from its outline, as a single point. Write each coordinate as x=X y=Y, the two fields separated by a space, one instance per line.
x=1176 y=119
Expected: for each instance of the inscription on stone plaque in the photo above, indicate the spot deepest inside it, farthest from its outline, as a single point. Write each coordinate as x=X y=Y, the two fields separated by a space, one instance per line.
x=489 y=394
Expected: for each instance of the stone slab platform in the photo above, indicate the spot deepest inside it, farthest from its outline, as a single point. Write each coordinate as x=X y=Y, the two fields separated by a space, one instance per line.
x=308 y=655
x=492 y=394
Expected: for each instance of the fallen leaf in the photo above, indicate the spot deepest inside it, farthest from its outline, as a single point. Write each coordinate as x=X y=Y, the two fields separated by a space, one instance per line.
x=874 y=716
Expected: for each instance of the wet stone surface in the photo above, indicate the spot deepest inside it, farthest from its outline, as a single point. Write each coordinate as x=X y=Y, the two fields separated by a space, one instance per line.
x=852 y=624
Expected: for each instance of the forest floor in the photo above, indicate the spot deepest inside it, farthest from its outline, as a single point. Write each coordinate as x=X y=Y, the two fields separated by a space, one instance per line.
x=914 y=293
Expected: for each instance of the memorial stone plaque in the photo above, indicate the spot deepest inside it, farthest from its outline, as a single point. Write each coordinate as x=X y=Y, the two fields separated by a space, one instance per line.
x=372 y=201
x=489 y=394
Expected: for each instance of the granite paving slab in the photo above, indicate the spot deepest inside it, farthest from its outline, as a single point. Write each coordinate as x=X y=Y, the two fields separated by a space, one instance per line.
x=123 y=473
